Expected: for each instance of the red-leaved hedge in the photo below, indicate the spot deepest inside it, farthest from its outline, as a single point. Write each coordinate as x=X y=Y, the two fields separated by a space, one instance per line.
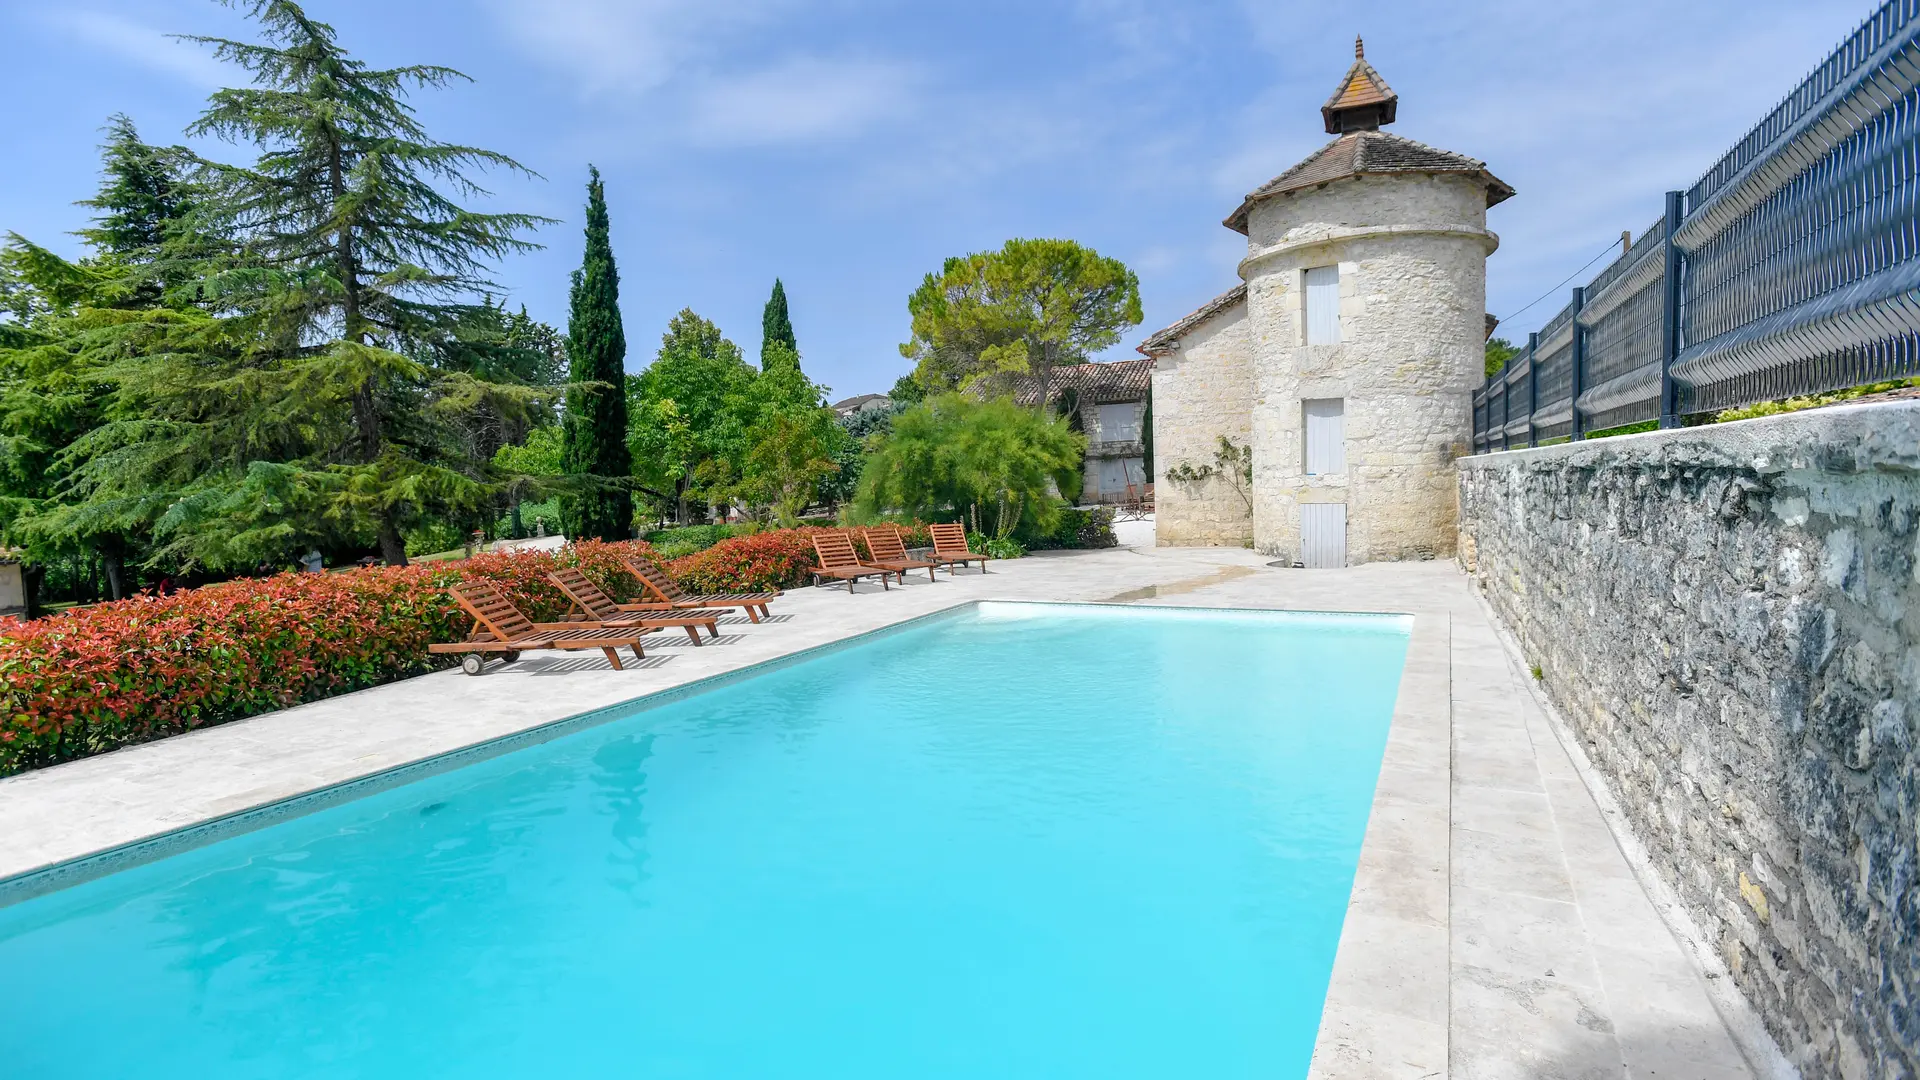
x=101 y=677
x=769 y=560
x=105 y=676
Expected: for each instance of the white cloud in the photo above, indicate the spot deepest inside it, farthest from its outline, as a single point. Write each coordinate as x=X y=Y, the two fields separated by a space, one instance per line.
x=627 y=47
x=805 y=99
x=140 y=44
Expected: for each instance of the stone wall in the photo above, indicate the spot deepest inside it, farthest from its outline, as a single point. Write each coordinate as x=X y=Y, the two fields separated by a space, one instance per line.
x=1412 y=251
x=1202 y=390
x=1728 y=617
x=1115 y=458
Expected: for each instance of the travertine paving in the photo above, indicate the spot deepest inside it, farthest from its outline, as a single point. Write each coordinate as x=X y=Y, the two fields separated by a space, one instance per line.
x=1495 y=929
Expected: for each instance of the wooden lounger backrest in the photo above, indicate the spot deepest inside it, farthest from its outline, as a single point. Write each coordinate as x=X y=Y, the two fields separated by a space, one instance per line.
x=656 y=582
x=585 y=594
x=834 y=550
x=885 y=543
x=949 y=539
x=492 y=610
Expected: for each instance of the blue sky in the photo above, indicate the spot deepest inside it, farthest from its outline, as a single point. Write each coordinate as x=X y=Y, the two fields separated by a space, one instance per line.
x=848 y=147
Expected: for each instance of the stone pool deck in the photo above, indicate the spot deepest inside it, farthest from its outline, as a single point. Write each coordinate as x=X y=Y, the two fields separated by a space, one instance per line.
x=1496 y=929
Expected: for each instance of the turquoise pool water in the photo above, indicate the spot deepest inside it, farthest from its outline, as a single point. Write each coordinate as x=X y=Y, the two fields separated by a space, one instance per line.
x=1022 y=841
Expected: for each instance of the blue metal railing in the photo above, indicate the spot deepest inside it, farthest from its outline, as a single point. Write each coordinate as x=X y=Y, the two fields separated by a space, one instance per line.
x=1791 y=267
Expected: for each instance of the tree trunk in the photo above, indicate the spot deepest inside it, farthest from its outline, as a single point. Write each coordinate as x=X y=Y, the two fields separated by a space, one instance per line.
x=366 y=411
x=115 y=564
x=1044 y=369
x=393 y=549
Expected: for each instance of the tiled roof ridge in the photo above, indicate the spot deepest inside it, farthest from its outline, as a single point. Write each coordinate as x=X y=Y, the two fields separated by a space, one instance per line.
x=1166 y=340
x=1127 y=378
x=1359 y=153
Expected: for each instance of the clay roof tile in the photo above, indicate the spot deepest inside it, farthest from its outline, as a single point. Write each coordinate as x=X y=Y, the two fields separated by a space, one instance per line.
x=1167 y=340
x=1363 y=98
x=1360 y=153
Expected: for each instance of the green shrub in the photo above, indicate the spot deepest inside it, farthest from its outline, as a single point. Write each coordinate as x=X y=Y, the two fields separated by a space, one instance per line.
x=687 y=539
x=1007 y=548
x=1089 y=528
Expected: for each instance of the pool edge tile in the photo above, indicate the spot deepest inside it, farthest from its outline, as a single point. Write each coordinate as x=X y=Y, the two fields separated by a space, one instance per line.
x=1357 y=1042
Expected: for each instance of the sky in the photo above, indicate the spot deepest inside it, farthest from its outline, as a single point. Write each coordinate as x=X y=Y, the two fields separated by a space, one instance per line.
x=848 y=147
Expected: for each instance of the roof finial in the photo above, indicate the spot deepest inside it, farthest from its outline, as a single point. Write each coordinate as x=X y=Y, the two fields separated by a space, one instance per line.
x=1363 y=101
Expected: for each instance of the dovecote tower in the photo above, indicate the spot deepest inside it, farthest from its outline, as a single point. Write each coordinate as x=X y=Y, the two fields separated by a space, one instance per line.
x=1347 y=358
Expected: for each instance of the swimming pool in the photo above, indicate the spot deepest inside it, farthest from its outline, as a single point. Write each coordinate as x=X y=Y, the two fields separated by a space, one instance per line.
x=1017 y=840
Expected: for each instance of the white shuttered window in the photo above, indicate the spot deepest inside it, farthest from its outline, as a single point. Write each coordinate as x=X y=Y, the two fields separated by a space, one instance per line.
x=1119 y=421
x=1323 y=305
x=1326 y=435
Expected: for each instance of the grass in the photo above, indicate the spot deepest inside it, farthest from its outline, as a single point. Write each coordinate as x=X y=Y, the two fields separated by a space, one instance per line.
x=1811 y=401
x=1749 y=412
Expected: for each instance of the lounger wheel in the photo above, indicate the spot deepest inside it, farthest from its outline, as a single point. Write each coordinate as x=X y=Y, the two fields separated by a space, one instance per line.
x=472 y=663
x=509 y=657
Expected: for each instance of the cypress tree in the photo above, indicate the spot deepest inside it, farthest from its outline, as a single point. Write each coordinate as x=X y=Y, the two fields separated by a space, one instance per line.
x=777 y=330
x=596 y=427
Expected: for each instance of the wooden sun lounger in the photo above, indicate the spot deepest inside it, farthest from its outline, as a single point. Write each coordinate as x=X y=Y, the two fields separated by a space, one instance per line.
x=950 y=547
x=668 y=596
x=887 y=549
x=499 y=627
x=838 y=560
x=600 y=610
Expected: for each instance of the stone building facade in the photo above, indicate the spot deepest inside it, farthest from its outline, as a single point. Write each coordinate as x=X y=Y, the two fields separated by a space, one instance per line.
x=1728 y=620
x=1109 y=404
x=1203 y=378
x=1346 y=360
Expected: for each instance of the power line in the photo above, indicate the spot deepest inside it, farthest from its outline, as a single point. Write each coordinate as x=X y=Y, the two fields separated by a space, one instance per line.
x=1612 y=245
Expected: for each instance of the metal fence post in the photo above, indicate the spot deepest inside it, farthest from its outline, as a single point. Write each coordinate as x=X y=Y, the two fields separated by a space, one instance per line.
x=1670 y=312
x=1533 y=389
x=1506 y=411
x=1577 y=360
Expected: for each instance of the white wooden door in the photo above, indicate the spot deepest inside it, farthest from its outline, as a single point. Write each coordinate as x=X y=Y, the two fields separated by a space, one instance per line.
x=1323 y=535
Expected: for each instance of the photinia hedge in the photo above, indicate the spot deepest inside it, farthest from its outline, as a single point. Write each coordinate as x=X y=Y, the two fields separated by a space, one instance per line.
x=106 y=676
x=102 y=677
x=770 y=560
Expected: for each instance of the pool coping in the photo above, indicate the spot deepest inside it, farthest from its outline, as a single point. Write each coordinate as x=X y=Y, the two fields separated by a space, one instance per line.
x=1387 y=1010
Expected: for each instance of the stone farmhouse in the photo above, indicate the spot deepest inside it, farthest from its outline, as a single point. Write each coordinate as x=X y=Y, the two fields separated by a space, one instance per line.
x=1346 y=358
x=1107 y=402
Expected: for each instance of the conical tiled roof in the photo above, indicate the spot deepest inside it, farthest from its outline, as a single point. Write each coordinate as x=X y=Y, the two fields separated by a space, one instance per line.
x=1363 y=100
x=1360 y=153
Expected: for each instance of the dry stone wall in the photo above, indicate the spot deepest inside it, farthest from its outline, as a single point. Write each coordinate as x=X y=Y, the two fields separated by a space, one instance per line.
x=1729 y=619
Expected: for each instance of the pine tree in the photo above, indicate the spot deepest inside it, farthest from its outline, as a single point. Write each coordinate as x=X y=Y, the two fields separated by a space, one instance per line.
x=776 y=331
x=596 y=423
x=74 y=323
x=145 y=203
x=348 y=260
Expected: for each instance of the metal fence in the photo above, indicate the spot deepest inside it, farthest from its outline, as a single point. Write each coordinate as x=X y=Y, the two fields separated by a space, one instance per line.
x=1791 y=267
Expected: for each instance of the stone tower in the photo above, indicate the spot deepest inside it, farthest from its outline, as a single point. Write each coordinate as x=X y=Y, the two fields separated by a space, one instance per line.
x=1348 y=358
